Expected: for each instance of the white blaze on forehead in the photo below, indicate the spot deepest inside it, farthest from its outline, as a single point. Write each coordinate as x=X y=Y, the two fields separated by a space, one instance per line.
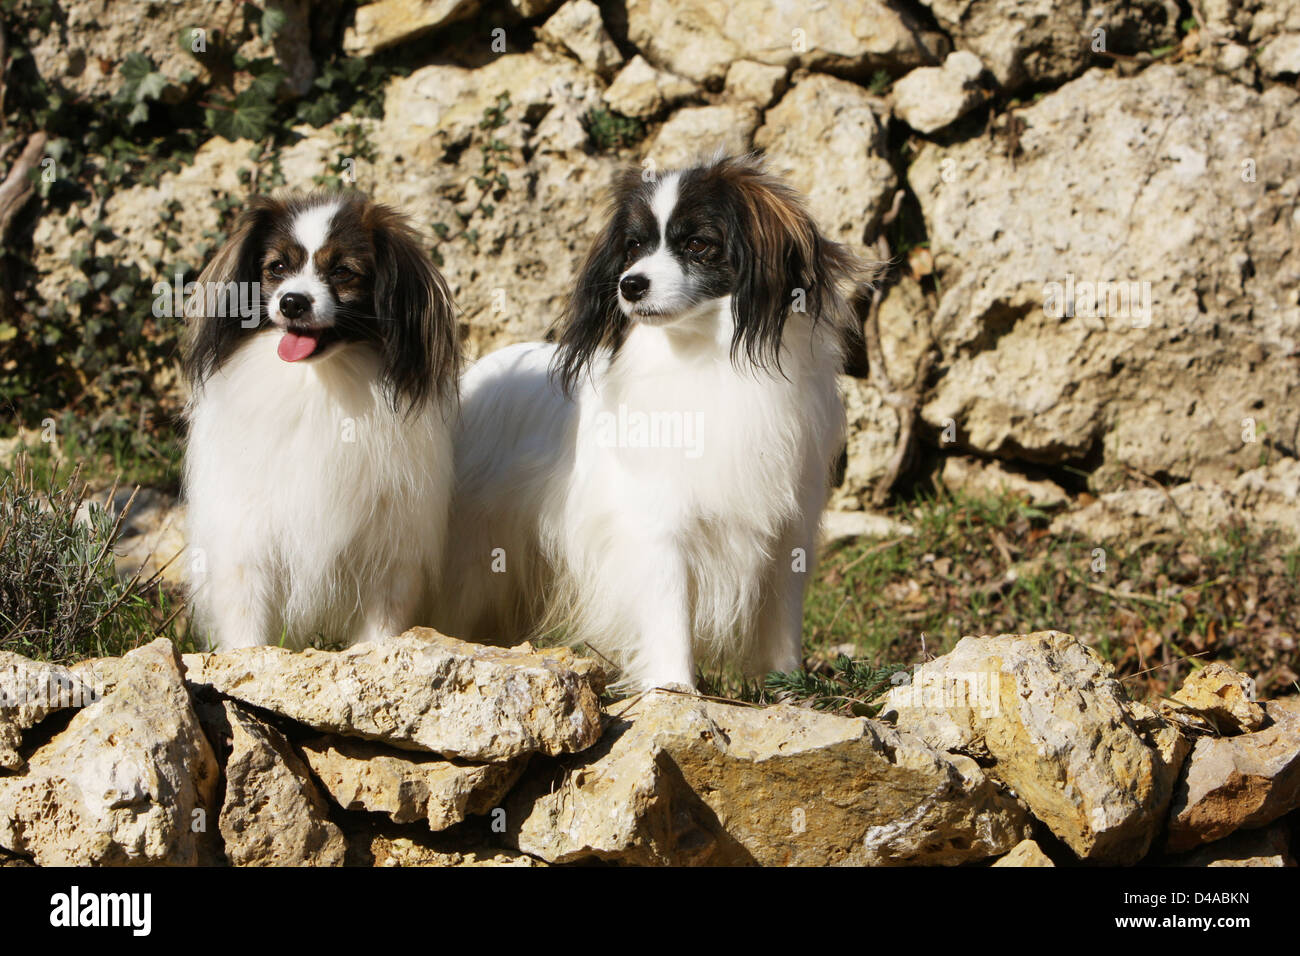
x=664 y=201
x=312 y=227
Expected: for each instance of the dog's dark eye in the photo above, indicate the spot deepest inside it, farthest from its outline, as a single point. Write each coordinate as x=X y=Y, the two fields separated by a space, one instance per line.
x=698 y=246
x=631 y=247
x=277 y=268
x=341 y=273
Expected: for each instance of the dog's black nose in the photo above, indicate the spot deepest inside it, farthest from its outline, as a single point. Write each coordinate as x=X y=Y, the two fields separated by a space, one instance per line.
x=294 y=304
x=634 y=287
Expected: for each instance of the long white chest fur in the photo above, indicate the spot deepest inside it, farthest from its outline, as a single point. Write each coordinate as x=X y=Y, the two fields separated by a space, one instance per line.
x=315 y=511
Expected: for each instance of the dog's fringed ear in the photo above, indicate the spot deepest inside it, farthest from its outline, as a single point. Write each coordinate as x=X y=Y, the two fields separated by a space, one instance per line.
x=415 y=310
x=592 y=318
x=784 y=266
x=215 y=327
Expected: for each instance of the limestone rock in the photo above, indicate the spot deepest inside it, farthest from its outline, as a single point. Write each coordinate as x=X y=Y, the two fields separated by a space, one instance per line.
x=273 y=814
x=578 y=28
x=681 y=780
x=408 y=787
x=87 y=43
x=1238 y=783
x=1223 y=696
x=961 y=473
x=387 y=845
x=29 y=692
x=904 y=330
x=701 y=38
x=131 y=218
x=386 y=23
x=641 y=91
x=439 y=108
x=931 y=97
x=125 y=783
x=533 y=8
x=1281 y=57
x=839 y=525
x=419 y=691
x=404 y=851
x=826 y=138
x=1267 y=847
x=1270 y=27
x=755 y=83
x=541 y=222
x=1040 y=708
x=1042 y=41
x=1025 y=853
x=1262 y=497
x=1193 y=340
x=873 y=431
x=696 y=133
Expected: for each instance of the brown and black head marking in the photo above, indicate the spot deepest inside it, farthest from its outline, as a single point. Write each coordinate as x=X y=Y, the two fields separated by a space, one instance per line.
x=735 y=230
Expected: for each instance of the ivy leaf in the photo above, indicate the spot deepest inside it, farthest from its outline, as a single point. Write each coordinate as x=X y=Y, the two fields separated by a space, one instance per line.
x=151 y=87
x=273 y=20
x=135 y=68
x=352 y=68
x=320 y=110
x=251 y=118
x=267 y=77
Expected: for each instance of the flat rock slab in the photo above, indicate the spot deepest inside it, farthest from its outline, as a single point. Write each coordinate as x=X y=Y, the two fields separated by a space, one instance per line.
x=421 y=691
x=1236 y=783
x=681 y=780
x=273 y=814
x=124 y=783
x=360 y=775
x=1056 y=726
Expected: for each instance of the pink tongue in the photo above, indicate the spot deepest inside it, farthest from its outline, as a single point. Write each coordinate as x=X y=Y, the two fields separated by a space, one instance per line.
x=294 y=347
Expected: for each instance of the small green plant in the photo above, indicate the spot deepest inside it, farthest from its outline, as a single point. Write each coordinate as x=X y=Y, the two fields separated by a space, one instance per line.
x=609 y=131
x=491 y=177
x=491 y=180
x=843 y=685
x=880 y=82
x=346 y=84
x=60 y=596
x=355 y=146
x=250 y=113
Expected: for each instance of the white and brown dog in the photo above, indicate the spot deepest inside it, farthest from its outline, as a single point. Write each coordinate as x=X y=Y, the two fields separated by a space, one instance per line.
x=318 y=470
x=653 y=482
